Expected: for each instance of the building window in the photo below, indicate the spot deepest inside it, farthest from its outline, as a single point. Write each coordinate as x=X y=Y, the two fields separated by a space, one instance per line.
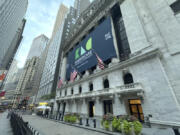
x=82 y=73
x=91 y=70
x=72 y=91
x=176 y=6
x=80 y=89
x=108 y=107
x=107 y=62
x=34 y=63
x=92 y=29
x=106 y=83
x=90 y=87
x=65 y=93
x=128 y=78
x=120 y=31
x=102 y=19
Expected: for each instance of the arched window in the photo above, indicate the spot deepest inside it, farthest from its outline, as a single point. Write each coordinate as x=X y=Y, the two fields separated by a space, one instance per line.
x=128 y=78
x=80 y=89
x=90 y=87
x=106 y=83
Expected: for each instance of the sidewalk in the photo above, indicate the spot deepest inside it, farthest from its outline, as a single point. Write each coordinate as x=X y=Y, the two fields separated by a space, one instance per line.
x=48 y=127
x=5 y=127
x=51 y=127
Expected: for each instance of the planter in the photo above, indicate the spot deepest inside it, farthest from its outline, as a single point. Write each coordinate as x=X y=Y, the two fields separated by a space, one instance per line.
x=107 y=125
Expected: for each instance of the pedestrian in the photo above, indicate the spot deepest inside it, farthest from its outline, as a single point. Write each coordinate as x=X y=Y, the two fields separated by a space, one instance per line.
x=9 y=114
x=46 y=113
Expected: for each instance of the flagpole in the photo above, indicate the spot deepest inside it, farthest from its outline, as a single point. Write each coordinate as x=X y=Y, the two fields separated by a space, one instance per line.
x=76 y=70
x=98 y=56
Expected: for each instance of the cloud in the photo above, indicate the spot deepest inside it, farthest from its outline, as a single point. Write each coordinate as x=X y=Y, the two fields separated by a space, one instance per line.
x=40 y=16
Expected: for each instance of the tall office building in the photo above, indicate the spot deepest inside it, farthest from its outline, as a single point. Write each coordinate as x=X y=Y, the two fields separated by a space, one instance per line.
x=29 y=74
x=38 y=74
x=81 y=5
x=11 y=27
x=38 y=46
x=59 y=18
x=69 y=22
x=8 y=59
x=47 y=84
x=11 y=72
x=11 y=81
x=26 y=80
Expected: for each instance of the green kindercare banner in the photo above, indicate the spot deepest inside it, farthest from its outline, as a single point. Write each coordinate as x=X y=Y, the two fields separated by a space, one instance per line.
x=100 y=41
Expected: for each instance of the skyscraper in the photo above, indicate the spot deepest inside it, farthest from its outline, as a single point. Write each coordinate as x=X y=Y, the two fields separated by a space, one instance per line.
x=28 y=77
x=81 y=5
x=11 y=15
x=47 y=83
x=25 y=84
x=59 y=18
x=38 y=45
x=68 y=24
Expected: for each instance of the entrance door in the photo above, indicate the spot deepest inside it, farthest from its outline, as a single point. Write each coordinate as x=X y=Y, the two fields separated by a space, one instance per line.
x=58 y=109
x=64 y=107
x=91 y=109
x=108 y=108
x=136 y=109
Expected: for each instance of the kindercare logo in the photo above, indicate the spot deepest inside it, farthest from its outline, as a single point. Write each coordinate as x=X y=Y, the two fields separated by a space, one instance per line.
x=81 y=51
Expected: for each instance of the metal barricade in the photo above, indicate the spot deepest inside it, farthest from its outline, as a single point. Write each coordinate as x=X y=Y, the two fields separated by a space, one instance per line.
x=19 y=126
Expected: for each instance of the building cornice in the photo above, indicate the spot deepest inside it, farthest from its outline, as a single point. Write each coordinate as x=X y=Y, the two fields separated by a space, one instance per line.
x=136 y=58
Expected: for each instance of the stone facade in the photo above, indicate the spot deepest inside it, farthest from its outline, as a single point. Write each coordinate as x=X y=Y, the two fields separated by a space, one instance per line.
x=153 y=34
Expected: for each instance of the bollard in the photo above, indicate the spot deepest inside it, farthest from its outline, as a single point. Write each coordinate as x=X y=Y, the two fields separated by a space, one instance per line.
x=87 y=122
x=59 y=116
x=62 y=118
x=80 y=121
x=94 y=120
x=34 y=132
x=176 y=131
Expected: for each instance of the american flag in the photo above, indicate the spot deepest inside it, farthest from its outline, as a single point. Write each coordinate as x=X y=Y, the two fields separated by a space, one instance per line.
x=60 y=82
x=73 y=75
x=2 y=76
x=2 y=93
x=100 y=62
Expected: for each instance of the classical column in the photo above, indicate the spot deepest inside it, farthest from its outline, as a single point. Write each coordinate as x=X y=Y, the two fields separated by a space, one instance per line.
x=63 y=68
x=84 y=107
x=119 y=106
x=99 y=107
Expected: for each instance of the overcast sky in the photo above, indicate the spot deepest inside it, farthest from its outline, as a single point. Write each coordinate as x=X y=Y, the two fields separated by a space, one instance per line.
x=40 y=18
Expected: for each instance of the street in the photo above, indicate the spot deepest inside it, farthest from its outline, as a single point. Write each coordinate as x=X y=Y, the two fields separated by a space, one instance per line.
x=48 y=127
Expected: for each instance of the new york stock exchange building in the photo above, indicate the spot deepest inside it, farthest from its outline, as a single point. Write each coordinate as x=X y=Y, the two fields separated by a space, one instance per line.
x=139 y=44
